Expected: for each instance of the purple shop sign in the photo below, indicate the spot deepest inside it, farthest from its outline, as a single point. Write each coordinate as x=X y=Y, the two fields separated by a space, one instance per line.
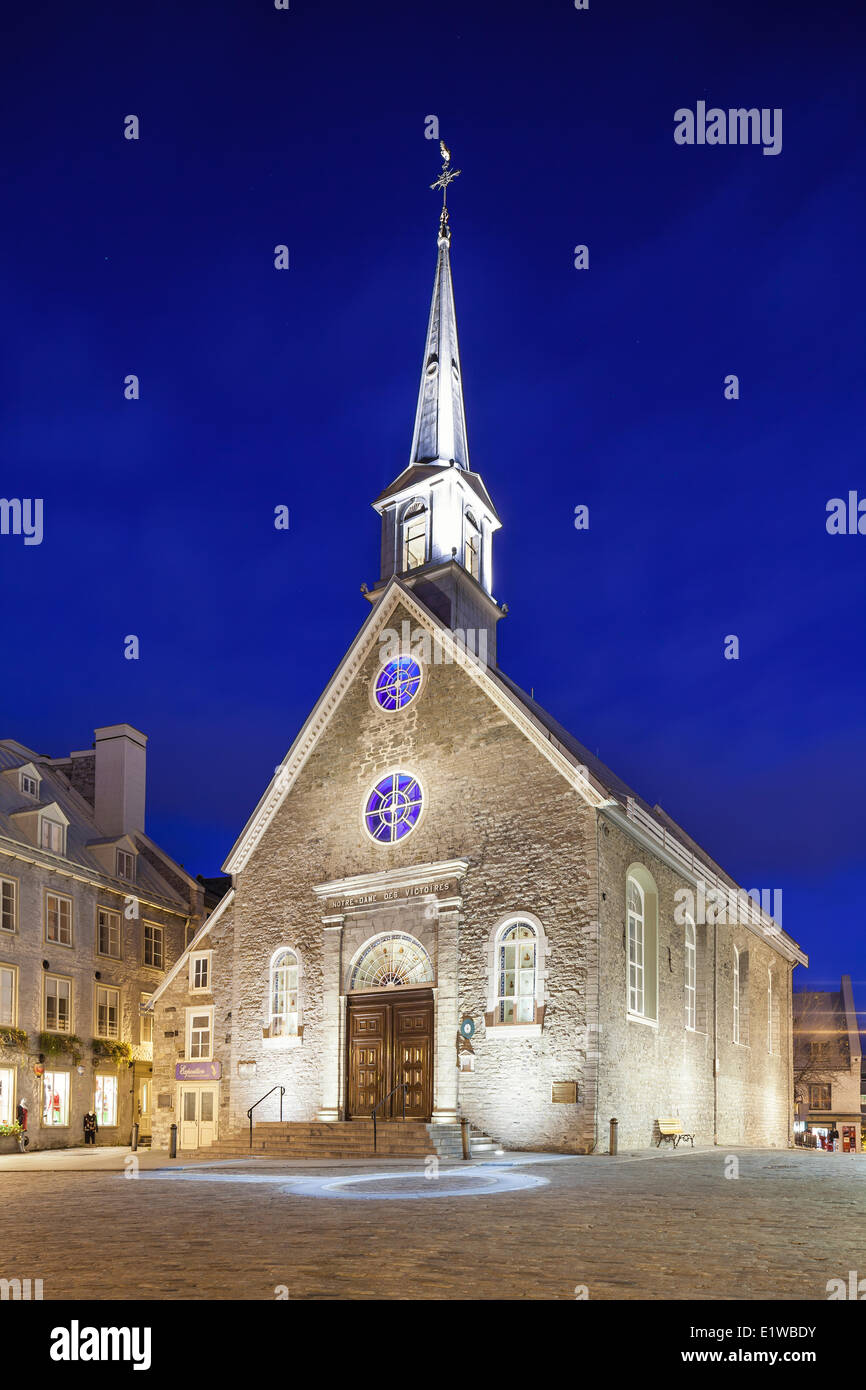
x=197 y=1071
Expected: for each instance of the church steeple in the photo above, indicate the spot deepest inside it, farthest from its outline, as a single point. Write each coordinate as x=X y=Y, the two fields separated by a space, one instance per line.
x=440 y=419
x=437 y=517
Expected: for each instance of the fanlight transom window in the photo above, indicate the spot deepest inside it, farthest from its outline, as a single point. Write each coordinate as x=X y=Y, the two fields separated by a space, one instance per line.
x=392 y=960
x=397 y=683
x=517 y=957
x=393 y=807
x=284 y=995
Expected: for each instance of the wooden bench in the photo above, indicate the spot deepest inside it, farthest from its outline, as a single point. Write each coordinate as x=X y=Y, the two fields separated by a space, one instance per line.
x=672 y=1129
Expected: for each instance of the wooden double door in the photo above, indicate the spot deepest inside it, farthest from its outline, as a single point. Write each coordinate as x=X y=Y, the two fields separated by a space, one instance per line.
x=390 y=1039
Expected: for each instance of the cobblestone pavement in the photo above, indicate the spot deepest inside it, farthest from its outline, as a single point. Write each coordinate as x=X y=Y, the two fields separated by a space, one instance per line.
x=666 y=1225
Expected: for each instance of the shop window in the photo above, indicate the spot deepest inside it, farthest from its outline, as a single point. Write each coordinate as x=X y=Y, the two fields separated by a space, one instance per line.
x=55 y=1098
x=105 y=1101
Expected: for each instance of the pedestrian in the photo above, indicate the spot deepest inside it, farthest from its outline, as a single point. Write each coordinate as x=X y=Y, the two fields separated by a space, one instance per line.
x=91 y=1128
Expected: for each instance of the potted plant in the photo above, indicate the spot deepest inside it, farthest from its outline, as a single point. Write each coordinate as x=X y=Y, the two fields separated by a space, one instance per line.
x=10 y=1139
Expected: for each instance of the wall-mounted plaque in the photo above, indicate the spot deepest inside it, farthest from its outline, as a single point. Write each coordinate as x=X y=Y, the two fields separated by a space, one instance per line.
x=564 y=1092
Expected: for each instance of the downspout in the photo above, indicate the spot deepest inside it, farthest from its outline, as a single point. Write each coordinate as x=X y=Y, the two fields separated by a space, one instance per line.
x=715 y=1033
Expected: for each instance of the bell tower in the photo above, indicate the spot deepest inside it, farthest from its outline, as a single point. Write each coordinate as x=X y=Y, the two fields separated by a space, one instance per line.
x=438 y=520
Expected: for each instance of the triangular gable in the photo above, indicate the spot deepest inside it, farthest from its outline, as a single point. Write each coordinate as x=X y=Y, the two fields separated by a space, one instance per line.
x=397 y=594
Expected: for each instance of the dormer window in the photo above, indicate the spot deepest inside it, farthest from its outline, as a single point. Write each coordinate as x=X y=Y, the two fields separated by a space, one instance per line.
x=126 y=865
x=52 y=835
x=414 y=536
x=472 y=546
x=29 y=785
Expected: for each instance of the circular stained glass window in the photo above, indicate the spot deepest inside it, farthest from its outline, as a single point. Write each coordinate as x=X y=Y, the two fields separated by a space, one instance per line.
x=393 y=807
x=398 y=682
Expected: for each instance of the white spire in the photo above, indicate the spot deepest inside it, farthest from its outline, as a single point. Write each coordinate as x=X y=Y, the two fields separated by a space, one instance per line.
x=440 y=420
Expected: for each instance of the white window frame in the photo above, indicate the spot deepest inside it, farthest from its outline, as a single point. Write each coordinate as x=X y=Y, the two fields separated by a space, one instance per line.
x=58 y=940
x=57 y=833
x=111 y=1001
x=471 y=545
x=121 y=857
x=106 y=1081
x=64 y=1091
x=115 y=924
x=12 y=972
x=285 y=1024
x=153 y=927
x=636 y=938
x=198 y=960
x=8 y=890
x=416 y=513
x=691 y=974
x=51 y=978
x=28 y=785
x=194 y=1035
x=513 y=1032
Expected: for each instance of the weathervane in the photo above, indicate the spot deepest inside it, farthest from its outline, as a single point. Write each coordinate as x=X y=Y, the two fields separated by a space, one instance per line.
x=442 y=182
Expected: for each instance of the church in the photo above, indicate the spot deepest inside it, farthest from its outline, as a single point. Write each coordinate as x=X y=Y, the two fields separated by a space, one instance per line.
x=445 y=909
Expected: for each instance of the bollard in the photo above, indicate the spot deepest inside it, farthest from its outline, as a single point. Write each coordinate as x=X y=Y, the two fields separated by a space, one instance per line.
x=464 y=1135
x=614 y=1126
x=134 y=1142
x=172 y=1142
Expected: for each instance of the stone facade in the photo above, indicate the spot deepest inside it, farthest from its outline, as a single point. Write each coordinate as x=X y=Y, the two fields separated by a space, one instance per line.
x=513 y=839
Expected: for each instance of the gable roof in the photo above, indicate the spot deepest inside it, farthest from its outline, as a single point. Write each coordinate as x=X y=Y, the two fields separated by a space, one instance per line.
x=596 y=783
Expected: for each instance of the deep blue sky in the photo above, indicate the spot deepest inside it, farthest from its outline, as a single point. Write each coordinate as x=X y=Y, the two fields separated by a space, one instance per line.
x=604 y=387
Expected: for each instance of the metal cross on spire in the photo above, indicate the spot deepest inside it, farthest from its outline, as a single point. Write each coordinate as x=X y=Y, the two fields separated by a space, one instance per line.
x=446 y=176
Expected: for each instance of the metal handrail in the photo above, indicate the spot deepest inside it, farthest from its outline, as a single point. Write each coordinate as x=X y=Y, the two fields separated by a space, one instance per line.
x=403 y=1086
x=282 y=1091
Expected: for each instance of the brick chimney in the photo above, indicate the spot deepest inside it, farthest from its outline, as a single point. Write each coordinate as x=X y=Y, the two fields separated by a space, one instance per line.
x=121 y=759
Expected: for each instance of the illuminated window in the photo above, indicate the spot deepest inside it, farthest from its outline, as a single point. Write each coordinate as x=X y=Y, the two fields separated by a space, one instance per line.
x=107 y=1012
x=414 y=536
x=472 y=546
x=284 y=995
x=153 y=945
x=108 y=933
x=516 y=963
x=636 y=945
x=397 y=683
x=199 y=1034
x=58 y=1004
x=691 y=974
x=58 y=919
x=55 y=1098
x=393 y=808
x=397 y=959
x=105 y=1101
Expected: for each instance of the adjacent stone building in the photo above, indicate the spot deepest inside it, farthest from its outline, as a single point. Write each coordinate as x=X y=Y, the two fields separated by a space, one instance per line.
x=444 y=902
x=93 y=916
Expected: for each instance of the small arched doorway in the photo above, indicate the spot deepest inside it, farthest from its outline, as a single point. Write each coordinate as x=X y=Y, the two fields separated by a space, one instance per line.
x=390 y=1029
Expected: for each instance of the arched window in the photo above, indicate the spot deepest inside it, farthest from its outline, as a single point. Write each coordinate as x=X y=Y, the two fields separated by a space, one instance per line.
x=691 y=975
x=284 y=995
x=736 y=995
x=769 y=1010
x=517 y=960
x=472 y=545
x=741 y=996
x=642 y=943
x=414 y=546
x=636 y=947
x=397 y=959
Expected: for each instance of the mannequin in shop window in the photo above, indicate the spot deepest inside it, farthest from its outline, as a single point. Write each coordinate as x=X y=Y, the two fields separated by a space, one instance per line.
x=91 y=1128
